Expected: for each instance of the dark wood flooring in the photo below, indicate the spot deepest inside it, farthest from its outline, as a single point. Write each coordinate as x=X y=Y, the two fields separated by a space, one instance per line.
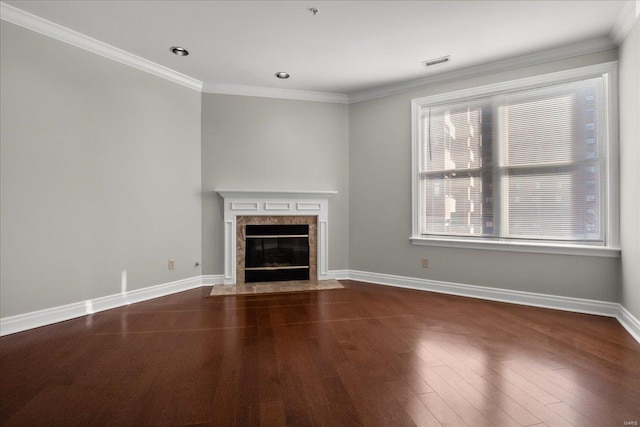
x=364 y=355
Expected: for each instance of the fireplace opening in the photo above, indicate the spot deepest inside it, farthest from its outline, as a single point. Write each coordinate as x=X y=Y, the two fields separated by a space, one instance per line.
x=276 y=252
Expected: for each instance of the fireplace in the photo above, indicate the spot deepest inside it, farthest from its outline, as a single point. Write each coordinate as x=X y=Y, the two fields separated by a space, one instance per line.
x=278 y=261
x=244 y=209
x=276 y=252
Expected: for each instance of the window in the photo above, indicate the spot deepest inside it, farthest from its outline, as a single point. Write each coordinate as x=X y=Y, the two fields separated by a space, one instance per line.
x=528 y=163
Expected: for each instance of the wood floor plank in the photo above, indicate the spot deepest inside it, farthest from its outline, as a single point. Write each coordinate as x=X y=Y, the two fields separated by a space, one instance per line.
x=454 y=399
x=444 y=414
x=485 y=406
x=456 y=364
x=519 y=403
x=419 y=413
x=535 y=407
x=572 y=415
x=272 y=414
x=365 y=355
x=575 y=396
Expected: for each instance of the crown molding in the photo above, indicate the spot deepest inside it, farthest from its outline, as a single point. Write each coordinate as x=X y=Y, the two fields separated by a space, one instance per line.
x=582 y=48
x=268 y=92
x=626 y=19
x=32 y=22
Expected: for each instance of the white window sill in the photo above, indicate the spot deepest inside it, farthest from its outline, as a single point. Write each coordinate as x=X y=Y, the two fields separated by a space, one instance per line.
x=542 y=248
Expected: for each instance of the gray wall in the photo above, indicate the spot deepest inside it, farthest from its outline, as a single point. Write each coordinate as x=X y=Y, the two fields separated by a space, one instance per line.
x=104 y=169
x=100 y=173
x=273 y=144
x=380 y=207
x=629 y=171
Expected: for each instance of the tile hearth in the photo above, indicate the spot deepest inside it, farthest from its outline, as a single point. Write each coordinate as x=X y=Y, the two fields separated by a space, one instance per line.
x=275 y=287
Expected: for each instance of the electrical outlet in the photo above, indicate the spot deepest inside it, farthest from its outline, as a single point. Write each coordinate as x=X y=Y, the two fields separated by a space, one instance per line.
x=425 y=263
x=172 y=264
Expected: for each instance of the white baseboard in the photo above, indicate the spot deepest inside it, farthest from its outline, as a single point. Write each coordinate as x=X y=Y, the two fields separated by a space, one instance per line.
x=339 y=274
x=212 y=279
x=35 y=319
x=578 y=305
x=629 y=322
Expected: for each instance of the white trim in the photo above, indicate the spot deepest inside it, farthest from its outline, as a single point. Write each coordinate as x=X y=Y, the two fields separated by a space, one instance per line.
x=589 y=71
x=212 y=279
x=582 y=48
x=242 y=206
x=323 y=249
x=283 y=194
x=277 y=206
x=612 y=180
x=577 y=305
x=230 y=250
x=626 y=19
x=270 y=92
x=35 y=319
x=629 y=322
x=608 y=71
x=509 y=246
x=257 y=203
x=35 y=23
x=338 y=274
x=308 y=206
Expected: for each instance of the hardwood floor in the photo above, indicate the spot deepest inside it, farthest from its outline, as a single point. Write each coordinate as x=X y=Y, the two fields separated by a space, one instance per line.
x=364 y=355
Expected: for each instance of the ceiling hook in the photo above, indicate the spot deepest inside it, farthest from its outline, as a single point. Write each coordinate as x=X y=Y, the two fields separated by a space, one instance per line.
x=314 y=10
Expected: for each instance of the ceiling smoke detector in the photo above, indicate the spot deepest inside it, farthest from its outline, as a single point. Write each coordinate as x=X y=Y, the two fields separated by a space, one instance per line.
x=180 y=51
x=436 y=61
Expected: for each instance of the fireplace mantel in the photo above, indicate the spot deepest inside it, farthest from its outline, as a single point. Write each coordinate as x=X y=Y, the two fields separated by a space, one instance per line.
x=262 y=194
x=275 y=203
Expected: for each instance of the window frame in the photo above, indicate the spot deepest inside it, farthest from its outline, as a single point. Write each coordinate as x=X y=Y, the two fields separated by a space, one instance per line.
x=611 y=248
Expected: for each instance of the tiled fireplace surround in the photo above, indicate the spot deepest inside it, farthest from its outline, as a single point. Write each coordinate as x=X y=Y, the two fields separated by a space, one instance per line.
x=248 y=207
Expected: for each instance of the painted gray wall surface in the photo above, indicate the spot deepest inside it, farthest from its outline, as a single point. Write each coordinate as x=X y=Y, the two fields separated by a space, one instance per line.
x=273 y=144
x=100 y=174
x=380 y=207
x=629 y=171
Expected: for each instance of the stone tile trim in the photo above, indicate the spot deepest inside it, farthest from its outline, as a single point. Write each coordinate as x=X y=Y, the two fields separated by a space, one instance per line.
x=243 y=221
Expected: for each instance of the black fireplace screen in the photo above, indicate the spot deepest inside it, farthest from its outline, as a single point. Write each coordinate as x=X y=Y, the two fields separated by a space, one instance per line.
x=276 y=253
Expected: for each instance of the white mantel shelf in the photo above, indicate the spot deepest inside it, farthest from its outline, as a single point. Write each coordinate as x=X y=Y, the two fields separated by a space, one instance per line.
x=286 y=194
x=275 y=203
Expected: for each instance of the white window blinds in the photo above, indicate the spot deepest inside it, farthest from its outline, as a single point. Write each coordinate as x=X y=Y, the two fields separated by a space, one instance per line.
x=521 y=165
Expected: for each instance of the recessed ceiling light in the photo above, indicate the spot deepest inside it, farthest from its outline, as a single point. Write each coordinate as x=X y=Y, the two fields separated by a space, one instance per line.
x=435 y=61
x=282 y=75
x=180 y=51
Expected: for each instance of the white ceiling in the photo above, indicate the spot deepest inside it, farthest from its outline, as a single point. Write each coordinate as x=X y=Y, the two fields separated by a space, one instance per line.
x=347 y=48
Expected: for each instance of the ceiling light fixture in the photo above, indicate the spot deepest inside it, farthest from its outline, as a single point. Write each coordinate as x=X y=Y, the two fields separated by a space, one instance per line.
x=282 y=75
x=436 y=61
x=180 y=51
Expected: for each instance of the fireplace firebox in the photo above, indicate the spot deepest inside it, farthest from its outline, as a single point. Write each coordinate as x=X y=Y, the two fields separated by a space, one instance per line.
x=276 y=252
